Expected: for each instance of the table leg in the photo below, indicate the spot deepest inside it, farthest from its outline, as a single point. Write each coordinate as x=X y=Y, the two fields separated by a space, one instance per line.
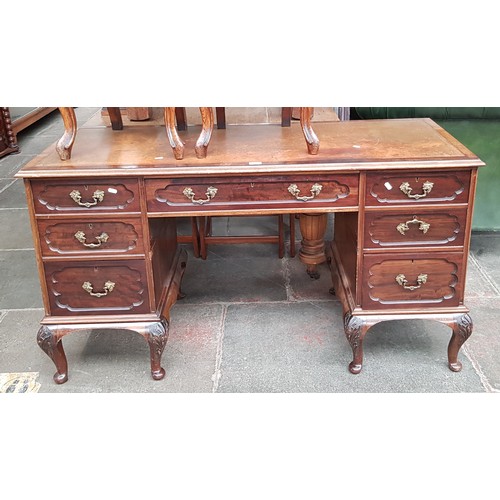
x=50 y=342
x=207 y=126
x=355 y=329
x=462 y=330
x=311 y=138
x=312 y=251
x=65 y=143
x=156 y=335
x=173 y=136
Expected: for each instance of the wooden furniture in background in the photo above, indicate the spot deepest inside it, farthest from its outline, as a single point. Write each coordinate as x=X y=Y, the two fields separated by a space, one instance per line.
x=8 y=143
x=12 y=121
x=105 y=234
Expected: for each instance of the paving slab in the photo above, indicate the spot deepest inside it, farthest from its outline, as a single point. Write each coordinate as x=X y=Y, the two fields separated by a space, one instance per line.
x=301 y=347
x=19 y=283
x=483 y=346
x=106 y=360
x=235 y=273
x=12 y=194
x=15 y=228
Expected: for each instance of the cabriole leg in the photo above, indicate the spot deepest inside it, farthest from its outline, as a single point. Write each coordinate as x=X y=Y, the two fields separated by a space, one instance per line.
x=355 y=330
x=462 y=330
x=52 y=346
x=156 y=334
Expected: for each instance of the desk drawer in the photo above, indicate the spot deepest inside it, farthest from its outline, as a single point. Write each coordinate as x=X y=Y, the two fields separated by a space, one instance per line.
x=92 y=195
x=409 y=281
x=201 y=194
x=97 y=287
x=417 y=187
x=81 y=236
x=415 y=229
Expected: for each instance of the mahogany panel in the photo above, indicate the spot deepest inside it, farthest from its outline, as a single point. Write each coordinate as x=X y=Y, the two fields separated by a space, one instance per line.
x=415 y=229
x=90 y=238
x=195 y=194
x=97 y=287
x=85 y=195
x=403 y=281
x=417 y=187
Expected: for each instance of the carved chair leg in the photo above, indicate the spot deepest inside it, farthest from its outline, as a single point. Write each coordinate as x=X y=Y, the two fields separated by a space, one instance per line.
x=311 y=138
x=173 y=136
x=51 y=344
x=221 y=117
x=292 y=234
x=180 y=118
x=281 y=236
x=207 y=126
x=156 y=335
x=462 y=330
x=65 y=143
x=286 y=117
x=355 y=330
x=195 y=237
x=115 y=117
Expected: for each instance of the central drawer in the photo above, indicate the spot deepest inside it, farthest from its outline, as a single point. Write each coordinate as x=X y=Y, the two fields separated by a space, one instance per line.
x=185 y=195
x=97 y=287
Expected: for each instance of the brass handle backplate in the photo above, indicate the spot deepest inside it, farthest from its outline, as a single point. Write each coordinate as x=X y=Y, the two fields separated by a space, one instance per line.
x=76 y=196
x=401 y=279
x=108 y=287
x=295 y=191
x=407 y=189
x=210 y=193
x=403 y=227
x=82 y=238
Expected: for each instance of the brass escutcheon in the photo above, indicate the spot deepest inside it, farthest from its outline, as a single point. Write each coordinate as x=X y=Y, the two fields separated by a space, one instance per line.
x=403 y=227
x=401 y=279
x=407 y=189
x=295 y=191
x=76 y=196
x=81 y=237
x=108 y=287
x=210 y=193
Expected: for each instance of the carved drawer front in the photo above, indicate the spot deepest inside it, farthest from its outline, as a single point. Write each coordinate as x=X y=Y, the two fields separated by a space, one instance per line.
x=86 y=237
x=415 y=229
x=185 y=195
x=417 y=187
x=406 y=281
x=93 y=195
x=97 y=287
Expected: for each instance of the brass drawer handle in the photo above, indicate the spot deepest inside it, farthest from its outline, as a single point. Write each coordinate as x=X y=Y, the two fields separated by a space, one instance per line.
x=77 y=198
x=401 y=279
x=108 y=287
x=295 y=191
x=403 y=227
x=210 y=193
x=407 y=189
x=102 y=238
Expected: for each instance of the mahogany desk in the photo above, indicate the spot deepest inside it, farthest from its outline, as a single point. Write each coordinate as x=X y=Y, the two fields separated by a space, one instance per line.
x=104 y=222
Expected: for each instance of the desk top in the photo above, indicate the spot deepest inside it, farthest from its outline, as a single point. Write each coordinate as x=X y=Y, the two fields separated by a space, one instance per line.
x=258 y=149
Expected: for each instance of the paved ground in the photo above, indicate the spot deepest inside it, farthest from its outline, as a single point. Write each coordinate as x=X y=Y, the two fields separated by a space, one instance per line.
x=266 y=326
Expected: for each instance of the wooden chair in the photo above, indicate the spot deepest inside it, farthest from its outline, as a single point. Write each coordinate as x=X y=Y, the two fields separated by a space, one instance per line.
x=203 y=229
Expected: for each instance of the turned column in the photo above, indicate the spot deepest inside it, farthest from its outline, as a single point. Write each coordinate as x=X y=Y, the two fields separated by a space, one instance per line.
x=312 y=252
